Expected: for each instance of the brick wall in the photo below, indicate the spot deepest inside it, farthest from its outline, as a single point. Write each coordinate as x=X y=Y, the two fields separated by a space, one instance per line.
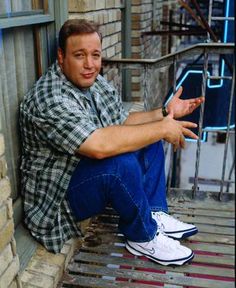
x=145 y=17
x=9 y=261
x=169 y=44
x=108 y=14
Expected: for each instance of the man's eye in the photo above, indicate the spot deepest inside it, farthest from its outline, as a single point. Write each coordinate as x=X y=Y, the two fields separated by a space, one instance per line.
x=96 y=55
x=79 y=55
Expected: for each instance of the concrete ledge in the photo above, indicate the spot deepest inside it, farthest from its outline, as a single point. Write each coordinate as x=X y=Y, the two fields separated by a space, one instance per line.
x=45 y=269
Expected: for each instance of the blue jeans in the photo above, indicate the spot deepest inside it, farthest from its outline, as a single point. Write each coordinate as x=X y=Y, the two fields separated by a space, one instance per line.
x=133 y=183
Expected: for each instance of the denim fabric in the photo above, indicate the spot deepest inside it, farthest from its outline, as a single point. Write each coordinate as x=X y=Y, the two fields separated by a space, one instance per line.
x=133 y=183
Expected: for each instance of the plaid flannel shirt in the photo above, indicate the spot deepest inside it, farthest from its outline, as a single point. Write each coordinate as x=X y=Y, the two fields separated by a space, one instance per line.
x=56 y=118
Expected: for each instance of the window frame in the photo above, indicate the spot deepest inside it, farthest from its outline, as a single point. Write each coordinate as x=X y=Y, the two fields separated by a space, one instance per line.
x=36 y=18
x=54 y=14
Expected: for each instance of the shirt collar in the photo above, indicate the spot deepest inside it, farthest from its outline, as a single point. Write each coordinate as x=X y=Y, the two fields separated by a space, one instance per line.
x=62 y=76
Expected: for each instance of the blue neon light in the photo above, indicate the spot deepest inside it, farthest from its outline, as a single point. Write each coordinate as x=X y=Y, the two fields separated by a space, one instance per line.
x=209 y=85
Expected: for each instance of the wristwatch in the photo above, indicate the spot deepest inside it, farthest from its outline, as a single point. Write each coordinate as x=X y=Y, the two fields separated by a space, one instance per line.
x=164 y=111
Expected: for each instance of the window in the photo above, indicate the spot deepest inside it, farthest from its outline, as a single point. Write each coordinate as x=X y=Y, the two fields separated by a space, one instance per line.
x=28 y=32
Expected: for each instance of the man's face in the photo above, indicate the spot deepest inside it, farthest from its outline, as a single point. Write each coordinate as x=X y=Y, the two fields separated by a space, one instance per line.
x=81 y=62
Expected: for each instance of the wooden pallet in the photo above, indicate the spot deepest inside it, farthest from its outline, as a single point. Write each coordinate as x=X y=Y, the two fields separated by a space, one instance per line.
x=104 y=262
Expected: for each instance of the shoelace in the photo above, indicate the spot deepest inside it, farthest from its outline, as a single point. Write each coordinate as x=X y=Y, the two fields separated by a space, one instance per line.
x=165 y=240
x=158 y=215
x=160 y=224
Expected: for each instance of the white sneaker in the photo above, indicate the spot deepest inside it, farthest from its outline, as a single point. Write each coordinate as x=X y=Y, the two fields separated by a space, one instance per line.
x=162 y=250
x=172 y=227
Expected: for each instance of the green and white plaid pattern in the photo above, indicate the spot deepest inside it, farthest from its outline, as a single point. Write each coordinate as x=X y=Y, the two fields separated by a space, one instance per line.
x=56 y=118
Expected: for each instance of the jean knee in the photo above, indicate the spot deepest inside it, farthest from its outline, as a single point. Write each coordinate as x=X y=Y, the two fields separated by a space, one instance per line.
x=127 y=165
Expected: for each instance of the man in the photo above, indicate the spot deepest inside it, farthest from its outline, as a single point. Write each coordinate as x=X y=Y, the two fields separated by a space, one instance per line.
x=82 y=151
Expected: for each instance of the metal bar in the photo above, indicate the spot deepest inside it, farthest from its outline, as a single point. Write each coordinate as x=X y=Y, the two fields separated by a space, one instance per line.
x=180 y=25
x=220 y=48
x=210 y=16
x=219 y=77
x=212 y=34
x=174 y=32
x=227 y=134
x=126 y=48
x=191 y=12
x=172 y=153
x=217 y=130
x=145 y=87
x=222 y=18
x=205 y=23
x=230 y=174
x=169 y=34
x=198 y=152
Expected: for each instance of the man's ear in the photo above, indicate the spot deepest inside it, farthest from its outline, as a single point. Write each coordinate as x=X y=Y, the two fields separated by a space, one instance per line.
x=60 y=56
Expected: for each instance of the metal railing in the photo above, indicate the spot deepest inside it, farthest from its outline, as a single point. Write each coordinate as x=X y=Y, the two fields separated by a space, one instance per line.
x=209 y=52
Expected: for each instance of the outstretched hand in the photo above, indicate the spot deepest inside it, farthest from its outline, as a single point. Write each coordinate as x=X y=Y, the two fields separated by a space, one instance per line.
x=177 y=130
x=178 y=108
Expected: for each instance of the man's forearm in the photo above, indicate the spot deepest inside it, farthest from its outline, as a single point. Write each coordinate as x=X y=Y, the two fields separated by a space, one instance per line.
x=114 y=140
x=142 y=117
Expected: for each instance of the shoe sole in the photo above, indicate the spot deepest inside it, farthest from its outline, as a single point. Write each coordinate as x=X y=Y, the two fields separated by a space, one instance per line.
x=177 y=262
x=180 y=235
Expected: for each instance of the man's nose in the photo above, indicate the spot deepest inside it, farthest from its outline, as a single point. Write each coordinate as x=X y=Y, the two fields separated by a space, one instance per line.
x=88 y=62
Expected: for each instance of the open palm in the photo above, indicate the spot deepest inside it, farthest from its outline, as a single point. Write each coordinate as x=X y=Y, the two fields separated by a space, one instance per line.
x=178 y=108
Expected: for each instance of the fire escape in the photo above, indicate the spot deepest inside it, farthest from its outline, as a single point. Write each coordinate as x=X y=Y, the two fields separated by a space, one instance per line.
x=204 y=64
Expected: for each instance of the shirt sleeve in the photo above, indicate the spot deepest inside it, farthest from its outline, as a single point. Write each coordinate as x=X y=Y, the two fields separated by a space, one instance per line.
x=120 y=114
x=64 y=126
x=112 y=101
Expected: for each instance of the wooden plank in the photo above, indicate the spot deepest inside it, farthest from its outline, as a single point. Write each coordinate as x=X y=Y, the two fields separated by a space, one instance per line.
x=203 y=212
x=183 y=211
x=146 y=264
x=108 y=239
x=219 y=260
x=209 y=247
x=188 y=218
x=149 y=276
x=200 y=236
x=206 y=204
x=103 y=256
x=119 y=248
x=87 y=281
x=212 y=220
x=216 y=229
x=214 y=238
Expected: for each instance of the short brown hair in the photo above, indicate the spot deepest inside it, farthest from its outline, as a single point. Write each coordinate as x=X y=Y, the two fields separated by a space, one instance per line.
x=76 y=27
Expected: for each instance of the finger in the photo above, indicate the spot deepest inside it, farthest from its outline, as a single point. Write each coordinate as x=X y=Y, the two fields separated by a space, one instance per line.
x=197 y=101
x=187 y=124
x=175 y=147
x=201 y=99
x=189 y=133
x=178 y=92
x=182 y=141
